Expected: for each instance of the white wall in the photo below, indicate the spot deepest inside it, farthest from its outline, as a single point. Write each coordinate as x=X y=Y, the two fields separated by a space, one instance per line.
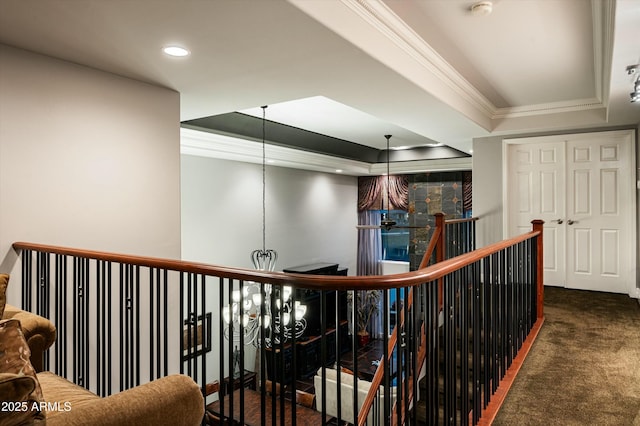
x=87 y=159
x=311 y=217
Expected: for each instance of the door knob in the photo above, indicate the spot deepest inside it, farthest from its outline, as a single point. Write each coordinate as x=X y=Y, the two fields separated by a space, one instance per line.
x=570 y=222
x=558 y=221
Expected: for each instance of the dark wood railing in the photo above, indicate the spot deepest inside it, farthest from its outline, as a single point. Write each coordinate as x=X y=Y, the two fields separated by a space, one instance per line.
x=124 y=320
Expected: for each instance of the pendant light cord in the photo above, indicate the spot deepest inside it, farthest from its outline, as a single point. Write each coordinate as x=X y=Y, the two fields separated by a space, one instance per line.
x=388 y=178
x=264 y=180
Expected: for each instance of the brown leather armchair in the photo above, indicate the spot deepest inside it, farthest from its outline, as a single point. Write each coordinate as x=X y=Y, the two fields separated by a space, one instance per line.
x=171 y=400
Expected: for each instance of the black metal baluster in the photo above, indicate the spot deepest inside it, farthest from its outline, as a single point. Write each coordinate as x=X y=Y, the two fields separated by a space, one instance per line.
x=100 y=361
x=181 y=345
x=205 y=332
x=339 y=343
x=109 y=333
x=230 y=353
x=153 y=329
x=449 y=351
x=27 y=279
x=165 y=319
x=77 y=323
x=294 y=354
x=463 y=280
x=44 y=295
x=193 y=326
x=476 y=339
x=134 y=312
x=221 y=284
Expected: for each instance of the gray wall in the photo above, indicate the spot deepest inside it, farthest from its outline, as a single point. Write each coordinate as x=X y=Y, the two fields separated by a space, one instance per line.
x=311 y=216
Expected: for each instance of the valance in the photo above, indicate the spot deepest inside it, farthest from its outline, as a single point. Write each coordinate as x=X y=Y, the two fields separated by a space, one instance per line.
x=372 y=192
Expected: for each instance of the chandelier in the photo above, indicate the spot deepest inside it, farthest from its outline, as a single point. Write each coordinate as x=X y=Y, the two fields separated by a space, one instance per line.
x=281 y=317
x=258 y=304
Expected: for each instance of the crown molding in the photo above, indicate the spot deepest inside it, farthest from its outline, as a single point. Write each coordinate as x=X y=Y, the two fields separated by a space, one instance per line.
x=548 y=108
x=381 y=18
x=214 y=145
x=420 y=166
x=385 y=21
x=604 y=12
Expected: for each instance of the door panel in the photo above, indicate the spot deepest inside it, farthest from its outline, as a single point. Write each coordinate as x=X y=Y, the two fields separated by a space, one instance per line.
x=534 y=182
x=586 y=181
x=599 y=169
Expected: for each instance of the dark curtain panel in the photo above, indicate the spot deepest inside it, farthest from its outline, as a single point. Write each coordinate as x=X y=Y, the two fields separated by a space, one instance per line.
x=467 y=190
x=398 y=192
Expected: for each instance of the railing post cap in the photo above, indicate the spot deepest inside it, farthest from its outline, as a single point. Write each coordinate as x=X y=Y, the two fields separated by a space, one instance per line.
x=537 y=222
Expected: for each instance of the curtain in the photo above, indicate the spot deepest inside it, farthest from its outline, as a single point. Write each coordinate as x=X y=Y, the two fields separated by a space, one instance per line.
x=369 y=248
x=369 y=243
x=369 y=255
x=372 y=193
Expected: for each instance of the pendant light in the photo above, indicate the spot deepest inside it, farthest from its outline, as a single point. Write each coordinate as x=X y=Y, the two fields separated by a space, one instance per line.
x=264 y=260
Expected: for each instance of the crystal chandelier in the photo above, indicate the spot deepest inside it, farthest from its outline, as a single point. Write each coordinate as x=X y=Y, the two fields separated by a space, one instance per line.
x=247 y=312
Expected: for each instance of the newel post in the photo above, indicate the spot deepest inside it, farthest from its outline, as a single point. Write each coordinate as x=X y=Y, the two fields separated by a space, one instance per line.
x=538 y=226
x=440 y=247
x=440 y=253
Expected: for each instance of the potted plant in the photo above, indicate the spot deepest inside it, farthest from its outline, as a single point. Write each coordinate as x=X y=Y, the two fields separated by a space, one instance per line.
x=367 y=304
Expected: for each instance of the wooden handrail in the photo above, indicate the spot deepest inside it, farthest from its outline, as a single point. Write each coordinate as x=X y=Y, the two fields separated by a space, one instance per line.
x=315 y=282
x=462 y=220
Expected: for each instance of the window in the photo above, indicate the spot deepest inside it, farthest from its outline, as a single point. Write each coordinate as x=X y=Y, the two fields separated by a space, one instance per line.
x=395 y=242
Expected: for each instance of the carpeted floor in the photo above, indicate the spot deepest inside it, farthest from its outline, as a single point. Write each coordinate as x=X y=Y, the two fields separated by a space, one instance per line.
x=584 y=368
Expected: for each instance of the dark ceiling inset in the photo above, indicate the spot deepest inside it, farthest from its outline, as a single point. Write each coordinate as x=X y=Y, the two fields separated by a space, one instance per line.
x=249 y=127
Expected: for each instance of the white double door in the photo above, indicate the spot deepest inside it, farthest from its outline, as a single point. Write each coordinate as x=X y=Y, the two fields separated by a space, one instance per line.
x=583 y=187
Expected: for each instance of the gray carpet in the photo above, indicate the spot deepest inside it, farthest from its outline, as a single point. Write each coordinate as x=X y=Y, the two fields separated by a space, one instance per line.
x=584 y=368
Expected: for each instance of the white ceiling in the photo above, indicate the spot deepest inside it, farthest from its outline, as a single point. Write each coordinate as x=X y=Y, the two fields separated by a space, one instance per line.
x=424 y=71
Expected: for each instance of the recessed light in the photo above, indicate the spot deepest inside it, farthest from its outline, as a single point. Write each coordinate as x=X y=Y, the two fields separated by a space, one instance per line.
x=175 y=51
x=338 y=170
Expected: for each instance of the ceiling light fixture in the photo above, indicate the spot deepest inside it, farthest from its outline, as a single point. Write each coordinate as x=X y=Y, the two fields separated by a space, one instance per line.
x=635 y=70
x=176 y=51
x=481 y=8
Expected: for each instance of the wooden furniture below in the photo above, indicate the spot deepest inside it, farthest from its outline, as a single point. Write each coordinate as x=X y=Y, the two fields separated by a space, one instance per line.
x=229 y=384
x=308 y=353
x=252 y=408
